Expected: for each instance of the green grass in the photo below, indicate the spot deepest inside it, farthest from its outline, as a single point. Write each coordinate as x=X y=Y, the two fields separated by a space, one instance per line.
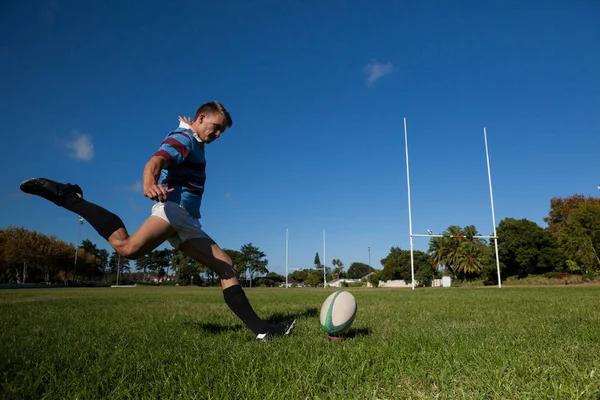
x=184 y=343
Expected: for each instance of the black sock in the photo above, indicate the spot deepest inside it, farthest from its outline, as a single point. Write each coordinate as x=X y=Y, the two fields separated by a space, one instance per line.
x=102 y=220
x=239 y=304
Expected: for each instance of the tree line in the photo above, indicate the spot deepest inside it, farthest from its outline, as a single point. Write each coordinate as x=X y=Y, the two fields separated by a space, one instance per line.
x=568 y=245
x=31 y=257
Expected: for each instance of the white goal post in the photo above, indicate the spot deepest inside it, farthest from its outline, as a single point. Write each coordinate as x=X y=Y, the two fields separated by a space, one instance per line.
x=429 y=234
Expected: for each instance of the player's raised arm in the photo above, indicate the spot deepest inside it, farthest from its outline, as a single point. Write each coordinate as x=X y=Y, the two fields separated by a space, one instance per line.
x=152 y=189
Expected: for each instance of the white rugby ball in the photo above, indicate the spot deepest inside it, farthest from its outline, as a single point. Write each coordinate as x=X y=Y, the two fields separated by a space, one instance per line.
x=338 y=312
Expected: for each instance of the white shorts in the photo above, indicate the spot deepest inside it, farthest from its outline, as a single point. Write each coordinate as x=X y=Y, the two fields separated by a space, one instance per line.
x=186 y=226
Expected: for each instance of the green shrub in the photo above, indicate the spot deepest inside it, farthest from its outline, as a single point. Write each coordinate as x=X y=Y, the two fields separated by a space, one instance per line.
x=374 y=278
x=554 y=275
x=589 y=277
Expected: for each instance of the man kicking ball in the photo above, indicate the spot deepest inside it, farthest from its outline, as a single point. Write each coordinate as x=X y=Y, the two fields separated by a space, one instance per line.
x=173 y=177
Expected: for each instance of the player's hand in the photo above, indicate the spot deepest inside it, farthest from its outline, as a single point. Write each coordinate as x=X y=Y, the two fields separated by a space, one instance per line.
x=157 y=192
x=187 y=120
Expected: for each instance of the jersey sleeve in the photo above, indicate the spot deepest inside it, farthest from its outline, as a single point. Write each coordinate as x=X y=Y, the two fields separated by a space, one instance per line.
x=175 y=148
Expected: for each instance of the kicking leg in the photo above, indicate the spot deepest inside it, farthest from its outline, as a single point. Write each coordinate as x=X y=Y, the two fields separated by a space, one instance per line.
x=70 y=197
x=208 y=253
x=151 y=234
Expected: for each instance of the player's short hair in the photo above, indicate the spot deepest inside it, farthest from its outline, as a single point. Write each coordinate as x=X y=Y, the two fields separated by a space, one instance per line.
x=214 y=107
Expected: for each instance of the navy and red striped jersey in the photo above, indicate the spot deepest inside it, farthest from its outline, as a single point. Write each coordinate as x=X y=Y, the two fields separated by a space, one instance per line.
x=187 y=168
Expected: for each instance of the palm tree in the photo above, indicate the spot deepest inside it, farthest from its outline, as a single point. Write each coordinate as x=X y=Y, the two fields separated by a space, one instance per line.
x=339 y=266
x=439 y=253
x=468 y=260
x=444 y=250
x=457 y=255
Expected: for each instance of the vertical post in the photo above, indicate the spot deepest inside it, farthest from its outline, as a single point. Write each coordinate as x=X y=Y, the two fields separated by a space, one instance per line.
x=324 y=262
x=77 y=244
x=412 y=260
x=369 y=255
x=492 y=202
x=118 y=267
x=286 y=257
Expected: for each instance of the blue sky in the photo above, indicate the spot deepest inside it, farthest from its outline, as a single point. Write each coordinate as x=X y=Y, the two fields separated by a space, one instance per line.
x=318 y=91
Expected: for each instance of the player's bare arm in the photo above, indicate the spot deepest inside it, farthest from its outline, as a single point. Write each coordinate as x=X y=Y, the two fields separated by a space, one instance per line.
x=152 y=190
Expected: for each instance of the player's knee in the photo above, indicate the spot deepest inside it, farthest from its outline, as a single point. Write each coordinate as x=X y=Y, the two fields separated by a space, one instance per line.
x=228 y=273
x=128 y=251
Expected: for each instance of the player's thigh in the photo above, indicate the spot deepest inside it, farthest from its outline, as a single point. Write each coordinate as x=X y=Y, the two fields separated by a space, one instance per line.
x=149 y=236
x=209 y=254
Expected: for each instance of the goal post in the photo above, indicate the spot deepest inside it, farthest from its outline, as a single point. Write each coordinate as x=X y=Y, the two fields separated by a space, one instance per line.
x=412 y=235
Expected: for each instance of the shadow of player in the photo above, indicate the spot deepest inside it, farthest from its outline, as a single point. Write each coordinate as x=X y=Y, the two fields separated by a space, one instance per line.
x=271 y=319
x=310 y=312
x=211 y=328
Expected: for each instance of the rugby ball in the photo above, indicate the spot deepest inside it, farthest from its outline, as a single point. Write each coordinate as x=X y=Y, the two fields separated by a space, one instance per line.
x=338 y=312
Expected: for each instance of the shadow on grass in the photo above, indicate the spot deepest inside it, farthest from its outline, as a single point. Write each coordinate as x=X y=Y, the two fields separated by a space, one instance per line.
x=353 y=333
x=213 y=328
x=350 y=334
x=271 y=319
x=310 y=312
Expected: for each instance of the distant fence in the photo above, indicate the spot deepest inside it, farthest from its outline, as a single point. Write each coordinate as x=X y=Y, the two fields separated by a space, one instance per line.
x=401 y=284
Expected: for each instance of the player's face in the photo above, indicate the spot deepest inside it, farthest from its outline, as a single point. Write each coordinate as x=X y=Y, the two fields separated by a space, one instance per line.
x=211 y=127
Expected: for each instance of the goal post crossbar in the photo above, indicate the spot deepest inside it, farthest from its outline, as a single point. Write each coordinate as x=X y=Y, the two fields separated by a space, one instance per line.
x=494 y=236
x=453 y=236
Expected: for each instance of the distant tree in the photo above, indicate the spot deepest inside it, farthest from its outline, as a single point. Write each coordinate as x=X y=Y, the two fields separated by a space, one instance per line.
x=397 y=266
x=579 y=238
x=300 y=275
x=189 y=271
x=274 y=276
x=489 y=268
x=118 y=263
x=160 y=260
x=253 y=260
x=95 y=264
x=89 y=247
x=272 y=279
x=142 y=263
x=17 y=259
x=102 y=259
x=317 y=261
x=359 y=270
x=525 y=248
x=561 y=208
x=314 y=278
x=424 y=271
x=88 y=266
x=181 y=262
x=54 y=255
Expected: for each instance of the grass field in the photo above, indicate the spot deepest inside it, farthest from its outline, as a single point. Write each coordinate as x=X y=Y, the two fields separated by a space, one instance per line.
x=184 y=343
